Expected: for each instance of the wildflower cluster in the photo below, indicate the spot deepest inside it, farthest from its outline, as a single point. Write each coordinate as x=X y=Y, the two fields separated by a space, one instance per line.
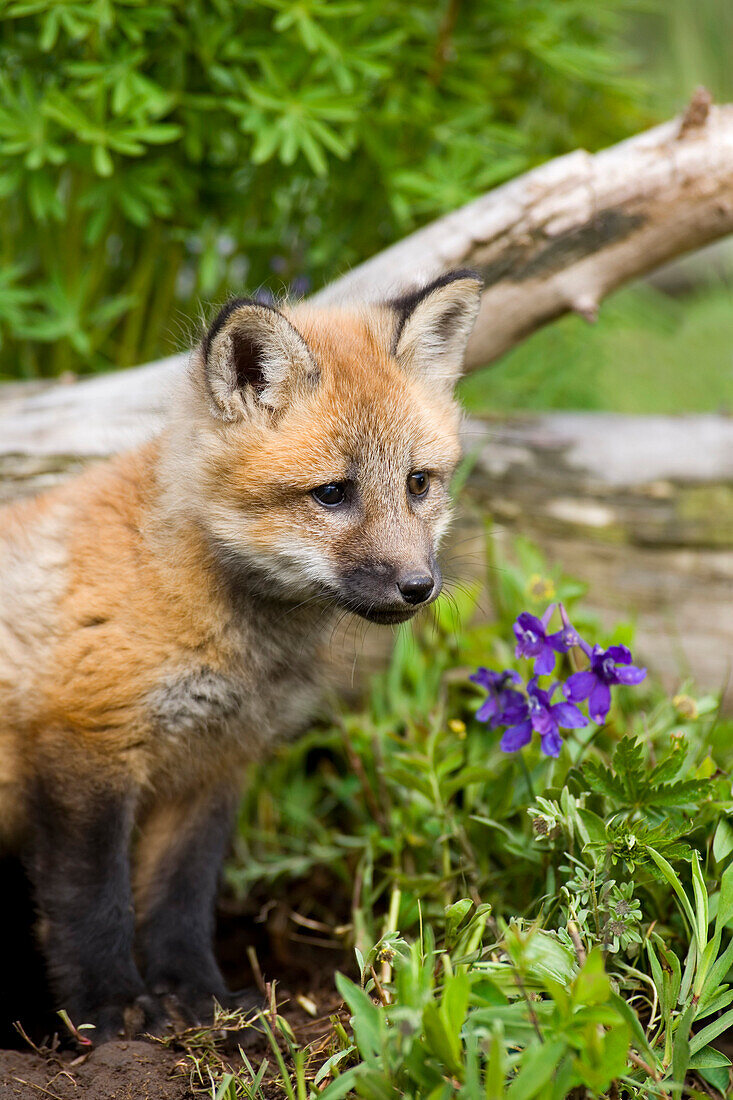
x=523 y=709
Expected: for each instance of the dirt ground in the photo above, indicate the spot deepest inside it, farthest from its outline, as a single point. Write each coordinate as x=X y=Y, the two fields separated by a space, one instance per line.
x=123 y=1070
x=299 y=957
x=140 y=1070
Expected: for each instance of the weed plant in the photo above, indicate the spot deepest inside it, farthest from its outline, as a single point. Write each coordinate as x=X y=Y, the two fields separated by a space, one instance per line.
x=523 y=925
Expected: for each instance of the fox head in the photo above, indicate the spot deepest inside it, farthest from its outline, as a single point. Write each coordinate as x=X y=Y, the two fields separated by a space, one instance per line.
x=324 y=444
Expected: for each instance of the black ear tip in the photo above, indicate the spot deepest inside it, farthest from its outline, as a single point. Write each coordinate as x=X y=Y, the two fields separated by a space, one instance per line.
x=226 y=311
x=458 y=274
x=405 y=304
x=221 y=319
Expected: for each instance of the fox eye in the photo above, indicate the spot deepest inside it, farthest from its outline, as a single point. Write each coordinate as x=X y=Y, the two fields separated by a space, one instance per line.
x=418 y=483
x=330 y=495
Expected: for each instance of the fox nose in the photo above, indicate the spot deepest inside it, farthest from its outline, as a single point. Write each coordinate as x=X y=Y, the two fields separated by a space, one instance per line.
x=416 y=587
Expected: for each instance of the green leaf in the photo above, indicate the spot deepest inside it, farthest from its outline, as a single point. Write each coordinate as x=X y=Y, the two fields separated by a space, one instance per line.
x=725 y=900
x=701 y=900
x=537 y=1066
x=455 y=914
x=594 y=825
x=102 y=160
x=708 y=1058
x=365 y=1017
x=344 y=1084
x=718 y=1077
x=711 y=1032
x=591 y=985
x=453 y=1007
x=439 y=1040
x=682 y=1049
x=723 y=840
x=603 y=781
x=495 y=1073
x=670 y=875
x=326 y=1068
x=638 y=1035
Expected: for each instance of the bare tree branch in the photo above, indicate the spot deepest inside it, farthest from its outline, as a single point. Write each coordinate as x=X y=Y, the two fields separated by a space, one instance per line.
x=563 y=236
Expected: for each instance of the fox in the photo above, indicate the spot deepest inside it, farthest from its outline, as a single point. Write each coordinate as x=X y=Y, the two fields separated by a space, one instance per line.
x=164 y=619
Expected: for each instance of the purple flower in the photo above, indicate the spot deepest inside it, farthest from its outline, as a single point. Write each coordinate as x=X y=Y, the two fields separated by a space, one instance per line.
x=607 y=666
x=544 y=717
x=534 y=641
x=502 y=702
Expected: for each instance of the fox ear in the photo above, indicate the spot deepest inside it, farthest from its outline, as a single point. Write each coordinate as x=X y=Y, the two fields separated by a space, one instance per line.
x=433 y=326
x=252 y=353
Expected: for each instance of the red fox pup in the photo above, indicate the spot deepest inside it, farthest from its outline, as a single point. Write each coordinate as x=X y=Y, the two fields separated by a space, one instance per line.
x=164 y=619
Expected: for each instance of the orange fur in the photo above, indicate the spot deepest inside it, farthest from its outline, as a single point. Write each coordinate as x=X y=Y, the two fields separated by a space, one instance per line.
x=119 y=596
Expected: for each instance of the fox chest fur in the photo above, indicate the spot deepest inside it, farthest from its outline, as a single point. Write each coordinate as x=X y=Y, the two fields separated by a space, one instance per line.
x=173 y=676
x=265 y=687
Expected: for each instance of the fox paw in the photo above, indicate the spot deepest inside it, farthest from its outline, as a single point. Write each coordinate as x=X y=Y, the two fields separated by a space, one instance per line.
x=124 y=1020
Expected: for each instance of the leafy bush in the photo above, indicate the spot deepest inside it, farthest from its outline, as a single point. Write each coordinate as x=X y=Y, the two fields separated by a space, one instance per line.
x=524 y=925
x=154 y=156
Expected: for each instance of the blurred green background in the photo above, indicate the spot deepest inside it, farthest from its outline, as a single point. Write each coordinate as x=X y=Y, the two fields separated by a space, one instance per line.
x=157 y=155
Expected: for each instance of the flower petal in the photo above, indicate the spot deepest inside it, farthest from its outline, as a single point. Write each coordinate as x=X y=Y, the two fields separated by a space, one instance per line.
x=568 y=716
x=545 y=663
x=482 y=677
x=517 y=737
x=620 y=654
x=630 y=674
x=552 y=743
x=579 y=686
x=526 y=621
x=513 y=708
x=599 y=703
x=563 y=640
x=487 y=710
x=542 y=721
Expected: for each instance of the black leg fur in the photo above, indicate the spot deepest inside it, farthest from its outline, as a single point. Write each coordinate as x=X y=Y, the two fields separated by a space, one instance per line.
x=180 y=857
x=79 y=866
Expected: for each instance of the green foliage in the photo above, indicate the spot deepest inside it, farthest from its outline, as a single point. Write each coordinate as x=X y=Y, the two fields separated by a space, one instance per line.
x=635 y=359
x=460 y=1029
x=154 y=156
x=522 y=926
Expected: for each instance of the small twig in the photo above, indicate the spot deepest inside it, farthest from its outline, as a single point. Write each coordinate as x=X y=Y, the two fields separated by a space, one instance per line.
x=577 y=942
x=254 y=962
x=272 y=1010
x=378 y=986
x=637 y=1061
x=697 y=111
x=63 y=1073
x=530 y=1007
x=21 y=1031
x=46 y=1092
x=307 y=922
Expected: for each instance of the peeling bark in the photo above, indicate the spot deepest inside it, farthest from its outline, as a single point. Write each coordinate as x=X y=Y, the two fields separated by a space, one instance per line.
x=562 y=237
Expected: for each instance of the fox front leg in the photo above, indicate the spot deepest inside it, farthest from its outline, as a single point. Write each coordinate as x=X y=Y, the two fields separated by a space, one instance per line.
x=179 y=859
x=78 y=861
